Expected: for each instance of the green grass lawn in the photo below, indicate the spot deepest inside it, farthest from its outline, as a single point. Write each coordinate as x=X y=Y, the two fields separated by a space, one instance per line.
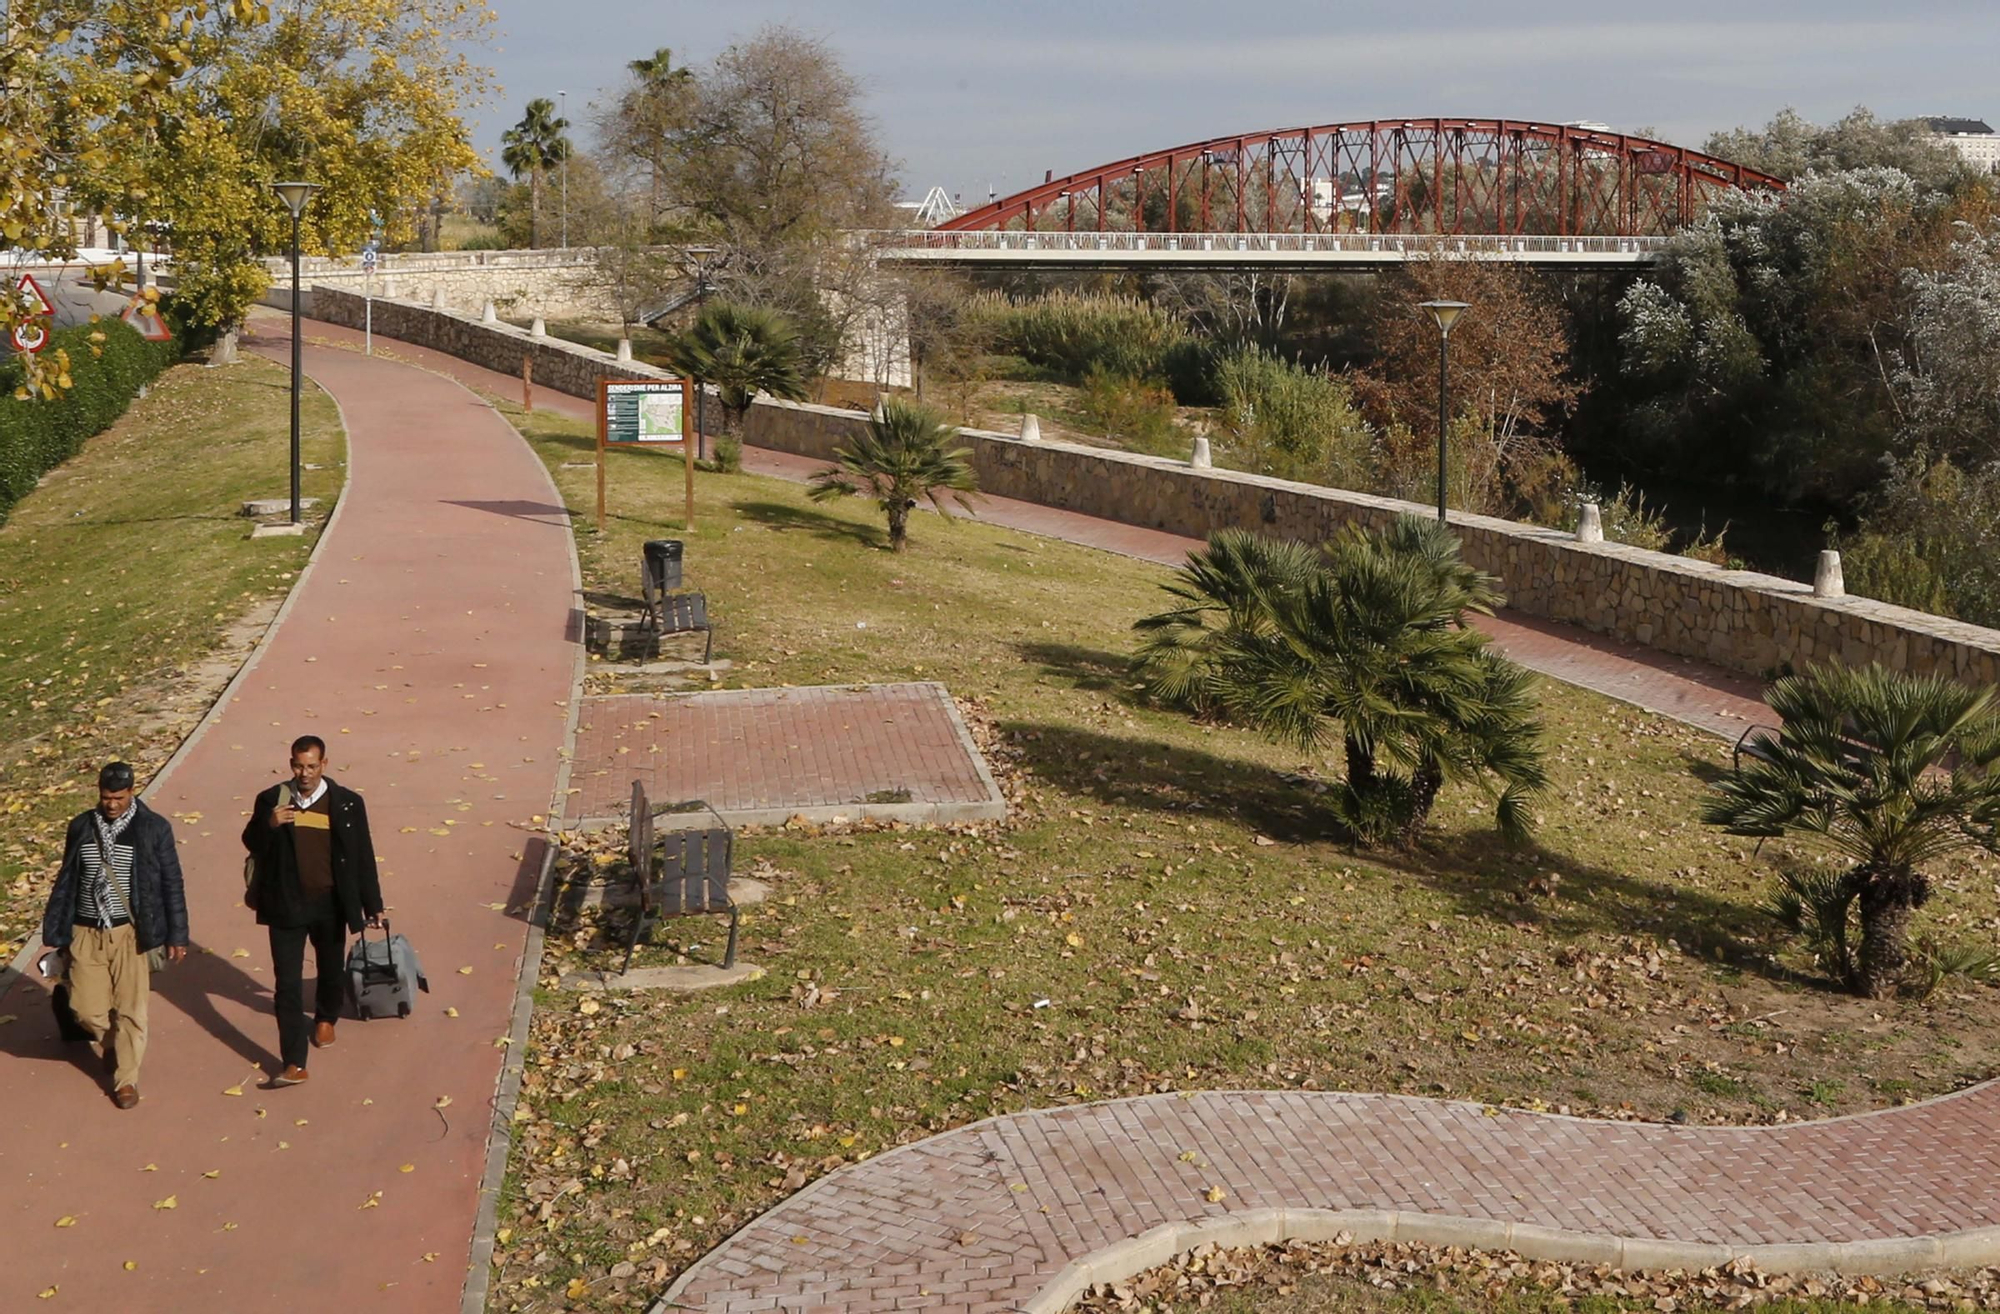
x=1178 y=901
x=122 y=579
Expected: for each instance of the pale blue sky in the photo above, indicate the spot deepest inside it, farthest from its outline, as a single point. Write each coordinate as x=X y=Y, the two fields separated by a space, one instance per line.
x=977 y=95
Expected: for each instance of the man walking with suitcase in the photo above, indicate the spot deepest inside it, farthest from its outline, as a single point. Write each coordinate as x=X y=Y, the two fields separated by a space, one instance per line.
x=312 y=878
x=117 y=899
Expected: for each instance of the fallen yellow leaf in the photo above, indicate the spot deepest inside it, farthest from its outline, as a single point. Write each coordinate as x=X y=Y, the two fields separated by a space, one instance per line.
x=430 y=1256
x=451 y=1012
x=233 y=1090
x=465 y=971
x=577 y=1289
x=443 y=1102
x=47 y=1295
x=371 y=1202
x=67 y=1220
x=239 y=953
x=1215 y=1195
x=171 y=1202
x=213 y=1173
x=150 y=1168
x=131 y=1265
x=407 y=1168
x=229 y=1227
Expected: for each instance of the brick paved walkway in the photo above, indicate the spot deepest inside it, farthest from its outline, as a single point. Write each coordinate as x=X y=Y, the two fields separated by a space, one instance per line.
x=763 y=756
x=426 y=644
x=1003 y=1215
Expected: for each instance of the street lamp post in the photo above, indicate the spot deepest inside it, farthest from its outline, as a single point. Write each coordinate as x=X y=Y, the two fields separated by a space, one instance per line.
x=562 y=116
x=295 y=195
x=1446 y=313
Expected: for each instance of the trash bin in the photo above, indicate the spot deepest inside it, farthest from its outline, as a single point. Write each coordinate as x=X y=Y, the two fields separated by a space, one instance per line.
x=663 y=563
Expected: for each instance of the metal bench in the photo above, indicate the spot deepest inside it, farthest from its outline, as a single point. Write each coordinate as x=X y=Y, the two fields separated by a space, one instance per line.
x=683 y=873
x=668 y=612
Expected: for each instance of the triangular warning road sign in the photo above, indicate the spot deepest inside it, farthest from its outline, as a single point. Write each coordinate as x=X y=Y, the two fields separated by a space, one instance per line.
x=38 y=301
x=146 y=318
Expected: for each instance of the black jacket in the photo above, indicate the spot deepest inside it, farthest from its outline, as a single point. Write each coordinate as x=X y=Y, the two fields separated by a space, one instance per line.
x=274 y=888
x=159 y=903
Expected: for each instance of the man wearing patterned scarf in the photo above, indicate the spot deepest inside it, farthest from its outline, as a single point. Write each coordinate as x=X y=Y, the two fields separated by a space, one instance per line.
x=117 y=898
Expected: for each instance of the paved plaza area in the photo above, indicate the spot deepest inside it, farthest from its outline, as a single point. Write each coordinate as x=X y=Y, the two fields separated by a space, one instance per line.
x=764 y=756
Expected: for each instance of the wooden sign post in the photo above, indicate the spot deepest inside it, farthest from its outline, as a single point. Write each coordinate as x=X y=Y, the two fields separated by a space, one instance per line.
x=645 y=413
x=528 y=384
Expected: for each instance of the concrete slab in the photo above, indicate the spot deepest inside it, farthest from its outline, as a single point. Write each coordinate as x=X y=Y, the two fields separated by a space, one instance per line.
x=285 y=529
x=277 y=506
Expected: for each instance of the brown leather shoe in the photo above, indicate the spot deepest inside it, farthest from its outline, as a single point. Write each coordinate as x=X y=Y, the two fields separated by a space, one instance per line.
x=126 y=1096
x=291 y=1076
x=322 y=1034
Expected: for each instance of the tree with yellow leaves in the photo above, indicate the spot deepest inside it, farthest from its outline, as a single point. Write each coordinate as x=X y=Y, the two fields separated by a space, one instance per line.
x=181 y=116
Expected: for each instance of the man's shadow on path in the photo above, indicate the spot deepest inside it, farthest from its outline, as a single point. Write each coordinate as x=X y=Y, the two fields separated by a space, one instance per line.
x=193 y=986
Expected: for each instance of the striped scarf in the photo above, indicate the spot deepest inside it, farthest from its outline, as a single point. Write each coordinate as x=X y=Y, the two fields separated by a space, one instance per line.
x=107 y=836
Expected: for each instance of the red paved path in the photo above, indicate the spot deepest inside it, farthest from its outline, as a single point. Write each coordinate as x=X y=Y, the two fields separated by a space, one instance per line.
x=980 y=1219
x=1702 y=695
x=427 y=646
x=760 y=756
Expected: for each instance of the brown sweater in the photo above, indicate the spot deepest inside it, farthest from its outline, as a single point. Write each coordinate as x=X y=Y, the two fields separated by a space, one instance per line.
x=312 y=844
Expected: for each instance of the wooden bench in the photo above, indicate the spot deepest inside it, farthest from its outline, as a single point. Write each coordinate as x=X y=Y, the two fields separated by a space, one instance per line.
x=682 y=873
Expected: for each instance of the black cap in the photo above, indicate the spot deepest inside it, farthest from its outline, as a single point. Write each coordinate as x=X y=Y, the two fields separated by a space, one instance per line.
x=115 y=776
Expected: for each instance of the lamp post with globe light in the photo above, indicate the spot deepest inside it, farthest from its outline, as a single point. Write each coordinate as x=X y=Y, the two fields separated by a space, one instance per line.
x=295 y=195
x=1446 y=314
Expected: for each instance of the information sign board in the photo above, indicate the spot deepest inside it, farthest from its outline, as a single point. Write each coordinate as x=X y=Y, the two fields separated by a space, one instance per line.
x=644 y=413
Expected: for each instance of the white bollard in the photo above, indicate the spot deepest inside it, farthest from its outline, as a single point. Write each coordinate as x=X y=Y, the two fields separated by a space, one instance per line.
x=489 y=315
x=539 y=329
x=437 y=298
x=624 y=349
x=877 y=414
x=1031 y=428
x=1589 y=524
x=1827 y=581
x=1200 y=460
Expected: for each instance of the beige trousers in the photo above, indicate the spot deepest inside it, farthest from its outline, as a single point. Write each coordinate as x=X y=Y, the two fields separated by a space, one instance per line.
x=107 y=975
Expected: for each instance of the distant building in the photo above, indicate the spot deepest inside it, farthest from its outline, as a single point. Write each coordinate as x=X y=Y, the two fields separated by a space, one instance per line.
x=1973 y=139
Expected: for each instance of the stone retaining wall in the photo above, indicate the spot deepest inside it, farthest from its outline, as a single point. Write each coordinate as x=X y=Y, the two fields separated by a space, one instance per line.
x=520 y=284
x=1735 y=618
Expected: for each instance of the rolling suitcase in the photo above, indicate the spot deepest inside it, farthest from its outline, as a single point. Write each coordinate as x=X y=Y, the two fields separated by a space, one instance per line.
x=383 y=976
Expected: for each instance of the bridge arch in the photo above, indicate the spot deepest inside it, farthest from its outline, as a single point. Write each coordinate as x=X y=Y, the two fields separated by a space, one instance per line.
x=1506 y=177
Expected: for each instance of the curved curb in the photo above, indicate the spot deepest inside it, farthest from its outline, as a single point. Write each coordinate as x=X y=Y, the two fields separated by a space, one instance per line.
x=16 y=969
x=1258 y=1227
x=507 y=1094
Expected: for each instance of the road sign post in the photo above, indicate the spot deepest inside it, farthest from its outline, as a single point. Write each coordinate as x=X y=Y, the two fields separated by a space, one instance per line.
x=368 y=300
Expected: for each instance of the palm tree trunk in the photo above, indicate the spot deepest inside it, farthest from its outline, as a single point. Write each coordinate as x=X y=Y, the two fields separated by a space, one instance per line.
x=1424 y=785
x=535 y=206
x=1887 y=901
x=899 y=525
x=1360 y=766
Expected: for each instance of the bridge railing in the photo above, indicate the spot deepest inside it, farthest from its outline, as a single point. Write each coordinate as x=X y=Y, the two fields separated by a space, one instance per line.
x=926 y=239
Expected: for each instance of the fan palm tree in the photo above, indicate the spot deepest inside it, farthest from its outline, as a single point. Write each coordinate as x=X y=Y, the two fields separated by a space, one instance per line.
x=1225 y=587
x=903 y=454
x=538 y=142
x=1362 y=645
x=1892 y=772
x=741 y=351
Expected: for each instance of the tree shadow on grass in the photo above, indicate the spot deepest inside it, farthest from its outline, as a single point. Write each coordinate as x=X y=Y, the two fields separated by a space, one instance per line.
x=1092 y=669
x=776 y=515
x=1479 y=873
